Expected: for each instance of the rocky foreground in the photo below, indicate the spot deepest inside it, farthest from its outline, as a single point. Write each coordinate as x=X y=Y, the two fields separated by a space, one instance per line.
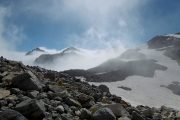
x=33 y=93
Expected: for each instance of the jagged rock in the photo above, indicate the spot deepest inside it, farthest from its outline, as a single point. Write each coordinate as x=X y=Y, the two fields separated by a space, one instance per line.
x=4 y=93
x=148 y=112
x=33 y=94
x=27 y=81
x=136 y=116
x=103 y=88
x=118 y=110
x=11 y=115
x=104 y=114
x=73 y=102
x=85 y=114
x=32 y=109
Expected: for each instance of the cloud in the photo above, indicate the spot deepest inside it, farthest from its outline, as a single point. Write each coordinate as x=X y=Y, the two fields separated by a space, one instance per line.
x=106 y=25
x=103 y=22
x=10 y=35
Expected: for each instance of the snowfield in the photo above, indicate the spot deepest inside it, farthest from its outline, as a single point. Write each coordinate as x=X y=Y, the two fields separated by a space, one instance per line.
x=147 y=91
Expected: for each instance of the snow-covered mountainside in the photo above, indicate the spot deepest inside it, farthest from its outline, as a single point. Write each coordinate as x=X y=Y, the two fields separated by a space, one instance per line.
x=148 y=75
x=68 y=58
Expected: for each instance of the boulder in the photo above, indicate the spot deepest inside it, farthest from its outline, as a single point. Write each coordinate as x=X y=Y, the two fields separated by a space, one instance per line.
x=32 y=109
x=11 y=115
x=60 y=109
x=104 y=114
x=137 y=116
x=27 y=81
x=73 y=102
x=103 y=88
x=85 y=114
x=4 y=93
x=118 y=110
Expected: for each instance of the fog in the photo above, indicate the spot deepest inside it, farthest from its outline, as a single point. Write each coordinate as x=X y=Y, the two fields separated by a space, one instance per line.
x=108 y=28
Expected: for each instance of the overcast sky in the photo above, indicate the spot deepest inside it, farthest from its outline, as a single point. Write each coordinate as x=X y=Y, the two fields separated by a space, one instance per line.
x=26 y=24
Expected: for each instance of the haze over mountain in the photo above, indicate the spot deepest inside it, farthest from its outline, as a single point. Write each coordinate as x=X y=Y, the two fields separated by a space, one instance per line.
x=75 y=54
x=150 y=72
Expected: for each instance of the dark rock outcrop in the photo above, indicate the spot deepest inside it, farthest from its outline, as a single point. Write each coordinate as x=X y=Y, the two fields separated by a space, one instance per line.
x=27 y=81
x=32 y=109
x=11 y=115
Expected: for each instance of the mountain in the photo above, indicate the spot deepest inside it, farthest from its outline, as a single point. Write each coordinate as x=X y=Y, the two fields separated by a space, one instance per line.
x=67 y=53
x=150 y=72
x=36 y=51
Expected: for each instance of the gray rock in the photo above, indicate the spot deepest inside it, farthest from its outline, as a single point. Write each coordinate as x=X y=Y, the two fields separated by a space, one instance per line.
x=124 y=118
x=60 y=109
x=15 y=91
x=118 y=109
x=83 y=98
x=27 y=81
x=4 y=93
x=137 y=116
x=33 y=94
x=85 y=114
x=103 y=88
x=11 y=115
x=73 y=102
x=104 y=114
x=56 y=88
x=32 y=109
x=147 y=112
x=67 y=117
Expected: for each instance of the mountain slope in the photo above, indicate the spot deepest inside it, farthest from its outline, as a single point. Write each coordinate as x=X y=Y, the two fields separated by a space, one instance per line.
x=52 y=58
x=151 y=72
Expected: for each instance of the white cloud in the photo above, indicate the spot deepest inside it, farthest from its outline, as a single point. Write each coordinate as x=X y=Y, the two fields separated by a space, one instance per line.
x=113 y=20
x=107 y=24
x=10 y=35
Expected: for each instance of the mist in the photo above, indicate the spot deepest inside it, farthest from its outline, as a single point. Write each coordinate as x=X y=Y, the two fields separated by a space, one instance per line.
x=104 y=29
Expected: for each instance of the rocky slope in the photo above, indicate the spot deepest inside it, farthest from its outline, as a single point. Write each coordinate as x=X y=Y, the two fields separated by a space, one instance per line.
x=143 y=75
x=34 y=93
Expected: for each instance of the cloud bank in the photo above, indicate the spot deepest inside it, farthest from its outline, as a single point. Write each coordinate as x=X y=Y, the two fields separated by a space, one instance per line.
x=101 y=24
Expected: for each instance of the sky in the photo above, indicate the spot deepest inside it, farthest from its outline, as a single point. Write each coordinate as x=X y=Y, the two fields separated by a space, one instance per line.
x=92 y=24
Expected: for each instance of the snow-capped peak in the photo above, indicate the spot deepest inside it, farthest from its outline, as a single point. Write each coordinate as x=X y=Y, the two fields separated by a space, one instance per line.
x=70 y=50
x=176 y=35
x=36 y=50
